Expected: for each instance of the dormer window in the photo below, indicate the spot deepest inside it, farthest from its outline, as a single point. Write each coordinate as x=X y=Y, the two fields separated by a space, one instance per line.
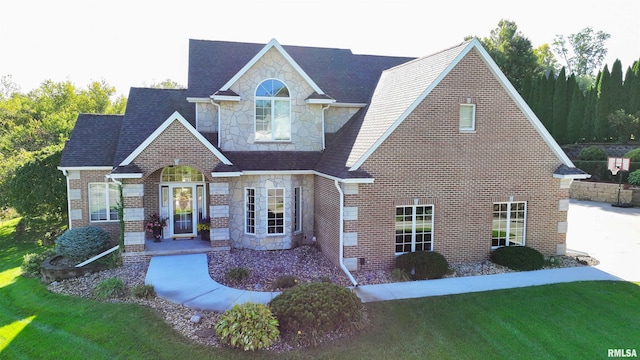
x=273 y=111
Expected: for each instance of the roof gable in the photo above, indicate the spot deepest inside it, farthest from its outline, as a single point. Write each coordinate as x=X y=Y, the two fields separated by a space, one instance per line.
x=275 y=45
x=403 y=88
x=175 y=117
x=342 y=75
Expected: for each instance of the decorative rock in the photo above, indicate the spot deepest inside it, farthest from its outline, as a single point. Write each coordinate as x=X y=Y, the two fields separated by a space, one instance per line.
x=196 y=318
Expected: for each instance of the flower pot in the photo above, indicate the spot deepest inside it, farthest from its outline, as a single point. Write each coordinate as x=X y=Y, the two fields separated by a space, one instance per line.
x=157 y=234
x=204 y=235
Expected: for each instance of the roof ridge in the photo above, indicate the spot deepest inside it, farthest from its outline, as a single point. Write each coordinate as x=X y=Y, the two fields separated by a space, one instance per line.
x=422 y=58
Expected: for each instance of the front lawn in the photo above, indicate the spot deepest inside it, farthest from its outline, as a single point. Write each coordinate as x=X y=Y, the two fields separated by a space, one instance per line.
x=575 y=320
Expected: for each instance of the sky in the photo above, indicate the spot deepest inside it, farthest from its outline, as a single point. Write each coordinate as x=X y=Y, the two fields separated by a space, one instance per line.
x=138 y=42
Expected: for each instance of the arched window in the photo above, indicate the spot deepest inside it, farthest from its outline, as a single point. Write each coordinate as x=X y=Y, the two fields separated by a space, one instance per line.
x=273 y=111
x=181 y=174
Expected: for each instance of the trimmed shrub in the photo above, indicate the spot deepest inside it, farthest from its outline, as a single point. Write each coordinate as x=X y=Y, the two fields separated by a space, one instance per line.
x=316 y=307
x=237 y=274
x=421 y=265
x=248 y=326
x=143 y=291
x=519 y=258
x=285 y=282
x=593 y=153
x=110 y=288
x=634 y=178
x=83 y=243
x=32 y=262
x=634 y=155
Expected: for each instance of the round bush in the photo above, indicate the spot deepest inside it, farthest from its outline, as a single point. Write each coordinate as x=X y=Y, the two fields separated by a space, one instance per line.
x=32 y=262
x=519 y=258
x=633 y=155
x=422 y=265
x=248 y=326
x=592 y=153
x=634 y=178
x=316 y=307
x=83 y=243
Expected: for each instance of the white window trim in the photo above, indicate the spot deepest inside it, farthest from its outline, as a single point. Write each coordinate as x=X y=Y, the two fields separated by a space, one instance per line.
x=272 y=99
x=297 y=208
x=246 y=203
x=108 y=201
x=508 y=229
x=284 y=212
x=473 y=119
x=413 y=226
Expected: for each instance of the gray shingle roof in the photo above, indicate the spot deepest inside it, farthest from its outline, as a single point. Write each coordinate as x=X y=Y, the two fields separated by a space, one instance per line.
x=93 y=141
x=397 y=90
x=146 y=110
x=342 y=75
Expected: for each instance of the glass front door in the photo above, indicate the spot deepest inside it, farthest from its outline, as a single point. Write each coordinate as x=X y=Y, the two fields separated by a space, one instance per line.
x=182 y=219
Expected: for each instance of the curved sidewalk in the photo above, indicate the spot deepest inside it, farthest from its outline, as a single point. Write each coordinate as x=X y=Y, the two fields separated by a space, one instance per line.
x=185 y=279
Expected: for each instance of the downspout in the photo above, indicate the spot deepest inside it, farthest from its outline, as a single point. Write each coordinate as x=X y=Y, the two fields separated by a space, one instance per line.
x=66 y=176
x=341 y=252
x=219 y=124
x=323 y=110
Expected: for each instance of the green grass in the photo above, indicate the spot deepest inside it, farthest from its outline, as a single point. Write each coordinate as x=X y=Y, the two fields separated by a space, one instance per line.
x=576 y=320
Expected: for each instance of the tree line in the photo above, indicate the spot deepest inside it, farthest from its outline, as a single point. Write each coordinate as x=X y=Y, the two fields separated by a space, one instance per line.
x=574 y=104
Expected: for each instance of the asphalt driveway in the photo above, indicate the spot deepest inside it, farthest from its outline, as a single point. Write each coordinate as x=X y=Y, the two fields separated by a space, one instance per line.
x=609 y=234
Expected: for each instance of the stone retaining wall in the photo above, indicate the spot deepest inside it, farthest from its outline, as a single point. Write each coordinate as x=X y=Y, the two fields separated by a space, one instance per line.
x=603 y=192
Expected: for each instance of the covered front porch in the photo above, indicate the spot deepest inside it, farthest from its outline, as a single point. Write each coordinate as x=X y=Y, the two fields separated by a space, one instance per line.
x=169 y=246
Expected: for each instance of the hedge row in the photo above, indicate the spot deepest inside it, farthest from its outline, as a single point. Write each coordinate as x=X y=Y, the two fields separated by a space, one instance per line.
x=599 y=171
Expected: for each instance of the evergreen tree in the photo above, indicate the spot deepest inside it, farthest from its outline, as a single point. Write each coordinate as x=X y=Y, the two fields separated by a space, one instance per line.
x=576 y=114
x=559 y=129
x=603 y=105
x=547 y=88
x=615 y=92
x=632 y=88
x=587 y=130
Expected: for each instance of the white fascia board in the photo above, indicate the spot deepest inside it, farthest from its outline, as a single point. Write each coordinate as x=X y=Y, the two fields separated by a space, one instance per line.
x=273 y=43
x=320 y=101
x=513 y=93
x=174 y=117
x=226 y=174
x=346 y=181
x=124 y=176
x=575 y=176
x=225 y=98
x=411 y=107
x=340 y=104
x=85 y=168
x=198 y=100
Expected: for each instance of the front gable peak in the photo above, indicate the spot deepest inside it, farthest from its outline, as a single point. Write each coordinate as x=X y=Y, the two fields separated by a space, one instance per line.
x=273 y=44
x=175 y=117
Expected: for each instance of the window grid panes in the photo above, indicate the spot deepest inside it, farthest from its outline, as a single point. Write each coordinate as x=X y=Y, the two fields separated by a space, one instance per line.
x=275 y=213
x=181 y=173
x=509 y=224
x=414 y=228
x=250 y=204
x=467 y=117
x=273 y=111
x=103 y=202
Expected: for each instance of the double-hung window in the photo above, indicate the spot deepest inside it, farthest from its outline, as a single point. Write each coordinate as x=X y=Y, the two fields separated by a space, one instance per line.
x=467 y=117
x=509 y=224
x=414 y=228
x=273 y=111
x=275 y=211
x=103 y=202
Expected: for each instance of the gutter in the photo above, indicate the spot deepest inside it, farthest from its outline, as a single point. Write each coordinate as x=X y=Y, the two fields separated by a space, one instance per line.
x=341 y=253
x=65 y=172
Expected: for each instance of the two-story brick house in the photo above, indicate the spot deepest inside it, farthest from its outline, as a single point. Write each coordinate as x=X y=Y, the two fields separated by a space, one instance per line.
x=370 y=156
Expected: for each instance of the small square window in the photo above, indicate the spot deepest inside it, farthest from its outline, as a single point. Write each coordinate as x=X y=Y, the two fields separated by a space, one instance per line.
x=467 y=117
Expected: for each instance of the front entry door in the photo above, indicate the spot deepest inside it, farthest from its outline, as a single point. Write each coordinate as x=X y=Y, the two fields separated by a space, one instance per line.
x=182 y=219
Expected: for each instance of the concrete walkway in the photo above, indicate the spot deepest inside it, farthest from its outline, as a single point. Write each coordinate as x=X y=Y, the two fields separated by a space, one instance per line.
x=611 y=235
x=185 y=279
